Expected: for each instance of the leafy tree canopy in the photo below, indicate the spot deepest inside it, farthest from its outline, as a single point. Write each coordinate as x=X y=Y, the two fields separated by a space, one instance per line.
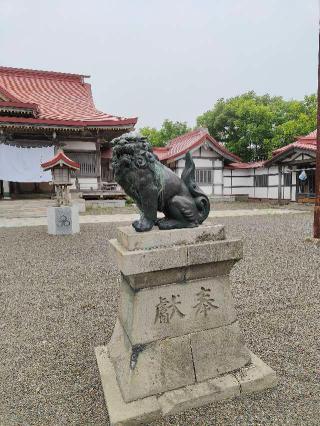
x=169 y=130
x=252 y=126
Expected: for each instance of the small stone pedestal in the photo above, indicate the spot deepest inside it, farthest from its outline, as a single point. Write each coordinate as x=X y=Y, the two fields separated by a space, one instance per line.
x=177 y=343
x=63 y=220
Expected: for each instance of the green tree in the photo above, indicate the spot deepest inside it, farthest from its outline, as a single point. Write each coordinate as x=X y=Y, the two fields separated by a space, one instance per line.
x=169 y=130
x=253 y=126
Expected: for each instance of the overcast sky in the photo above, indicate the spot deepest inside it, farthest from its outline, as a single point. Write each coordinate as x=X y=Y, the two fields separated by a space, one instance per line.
x=159 y=59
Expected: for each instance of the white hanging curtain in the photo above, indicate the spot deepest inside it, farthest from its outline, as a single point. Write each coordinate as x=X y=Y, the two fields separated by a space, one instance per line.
x=24 y=164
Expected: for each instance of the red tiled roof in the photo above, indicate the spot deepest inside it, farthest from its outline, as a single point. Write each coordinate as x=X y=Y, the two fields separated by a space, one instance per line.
x=58 y=160
x=179 y=146
x=161 y=152
x=253 y=165
x=308 y=142
x=60 y=98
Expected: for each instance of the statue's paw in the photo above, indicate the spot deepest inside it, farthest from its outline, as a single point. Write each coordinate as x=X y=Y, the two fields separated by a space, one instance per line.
x=167 y=224
x=143 y=225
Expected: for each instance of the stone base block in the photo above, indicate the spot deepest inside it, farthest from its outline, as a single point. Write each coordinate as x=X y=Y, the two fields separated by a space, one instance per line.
x=255 y=377
x=63 y=220
x=166 y=364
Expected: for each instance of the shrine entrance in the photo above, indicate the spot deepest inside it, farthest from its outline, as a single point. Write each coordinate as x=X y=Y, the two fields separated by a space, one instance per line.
x=306 y=184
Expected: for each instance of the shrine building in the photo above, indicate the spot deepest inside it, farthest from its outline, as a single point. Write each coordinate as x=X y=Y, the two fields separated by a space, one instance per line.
x=210 y=158
x=289 y=175
x=42 y=111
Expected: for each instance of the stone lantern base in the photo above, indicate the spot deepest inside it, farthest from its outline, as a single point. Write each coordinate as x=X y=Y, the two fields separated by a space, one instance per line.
x=63 y=220
x=177 y=343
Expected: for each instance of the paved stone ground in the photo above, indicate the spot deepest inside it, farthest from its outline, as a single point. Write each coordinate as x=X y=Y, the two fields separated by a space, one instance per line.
x=59 y=301
x=34 y=208
x=115 y=217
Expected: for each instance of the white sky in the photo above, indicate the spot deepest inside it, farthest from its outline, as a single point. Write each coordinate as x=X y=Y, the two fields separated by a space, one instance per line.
x=159 y=59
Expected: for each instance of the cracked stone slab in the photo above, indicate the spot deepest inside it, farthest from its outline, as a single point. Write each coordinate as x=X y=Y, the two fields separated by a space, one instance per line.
x=145 y=370
x=199 y=394
x=122 y=413
x=218 y=351
x=257 y=377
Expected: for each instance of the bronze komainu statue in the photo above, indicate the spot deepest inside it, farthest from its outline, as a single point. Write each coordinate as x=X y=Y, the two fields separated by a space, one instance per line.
x=154 y=187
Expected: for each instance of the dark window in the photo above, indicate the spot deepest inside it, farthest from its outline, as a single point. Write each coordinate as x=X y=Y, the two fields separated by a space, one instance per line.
x=204 y=176
x=287 y=179
x=261 y=181
x=87 y=161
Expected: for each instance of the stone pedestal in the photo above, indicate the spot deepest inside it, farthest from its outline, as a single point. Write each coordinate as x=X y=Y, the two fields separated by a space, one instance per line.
x=63 y=220
x=177 y=343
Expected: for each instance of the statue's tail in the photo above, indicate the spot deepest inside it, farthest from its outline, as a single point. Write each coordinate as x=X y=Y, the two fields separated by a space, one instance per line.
x=201 y=200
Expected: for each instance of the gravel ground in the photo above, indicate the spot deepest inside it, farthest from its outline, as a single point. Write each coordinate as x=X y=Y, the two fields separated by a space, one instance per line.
x=59 y=301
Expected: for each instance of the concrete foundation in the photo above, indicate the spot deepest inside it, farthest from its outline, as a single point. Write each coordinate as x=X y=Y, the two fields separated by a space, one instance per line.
x=177 y=343
x=63 y=220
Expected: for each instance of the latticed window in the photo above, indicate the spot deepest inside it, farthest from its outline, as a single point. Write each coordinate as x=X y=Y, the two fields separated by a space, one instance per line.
x=87 y=161
x=261 y=181
x=204 y=176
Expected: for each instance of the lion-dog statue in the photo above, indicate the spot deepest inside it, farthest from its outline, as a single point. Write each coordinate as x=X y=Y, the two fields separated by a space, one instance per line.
x=154 y=187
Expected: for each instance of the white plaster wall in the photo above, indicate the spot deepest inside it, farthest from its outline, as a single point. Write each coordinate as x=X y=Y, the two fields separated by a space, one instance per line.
x=293 y=194
x=226 y=181
x=218 y=190
x=79 y=146
x=261 y=192
x=261 y=171
x=217 y=177
x=273 y=170
x=202 y=162
x=286 y=193
x=240 y=191
x=251 y=192
x=207 y=189
x=240 y=181
x=273 y=193
x=274 y=180
x=180 y=163
x=205 y=153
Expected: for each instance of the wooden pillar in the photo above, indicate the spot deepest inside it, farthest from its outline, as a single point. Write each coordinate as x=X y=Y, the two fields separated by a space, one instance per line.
x=98 y=163
x=6 y=190
x=231 y=183
x=279 y=182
